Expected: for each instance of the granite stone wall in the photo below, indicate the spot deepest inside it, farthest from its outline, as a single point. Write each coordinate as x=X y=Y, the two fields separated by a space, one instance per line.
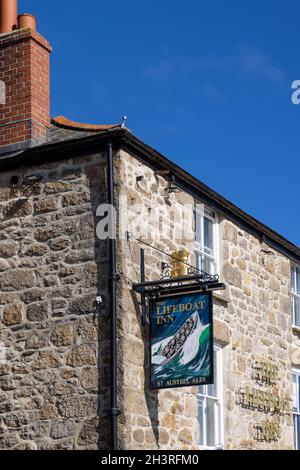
x=252 y=324
x=54 y=381
x=259 y=317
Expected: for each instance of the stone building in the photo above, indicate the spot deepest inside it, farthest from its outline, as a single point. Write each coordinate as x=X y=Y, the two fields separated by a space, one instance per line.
x=56 y=278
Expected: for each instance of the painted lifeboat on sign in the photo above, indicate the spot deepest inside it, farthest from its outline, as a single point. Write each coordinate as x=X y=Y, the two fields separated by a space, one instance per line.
x=176 y=344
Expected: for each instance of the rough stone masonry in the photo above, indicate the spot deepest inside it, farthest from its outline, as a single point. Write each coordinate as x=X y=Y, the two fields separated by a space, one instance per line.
x=252 y=321
x=54 y=382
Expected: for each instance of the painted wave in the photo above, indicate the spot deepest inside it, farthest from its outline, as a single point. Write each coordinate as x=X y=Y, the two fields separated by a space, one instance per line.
x=193 y=360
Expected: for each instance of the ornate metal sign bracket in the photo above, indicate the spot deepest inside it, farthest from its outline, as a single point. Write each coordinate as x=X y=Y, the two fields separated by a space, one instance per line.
x=194 y=281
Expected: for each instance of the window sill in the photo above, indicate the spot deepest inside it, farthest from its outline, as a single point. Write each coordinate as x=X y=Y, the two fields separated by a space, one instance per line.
x=210 y=448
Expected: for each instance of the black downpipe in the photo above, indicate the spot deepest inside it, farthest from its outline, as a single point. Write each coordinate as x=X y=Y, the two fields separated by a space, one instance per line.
x=113 y=304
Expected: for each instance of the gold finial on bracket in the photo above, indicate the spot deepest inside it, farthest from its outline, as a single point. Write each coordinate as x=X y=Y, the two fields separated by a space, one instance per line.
x=179 y=266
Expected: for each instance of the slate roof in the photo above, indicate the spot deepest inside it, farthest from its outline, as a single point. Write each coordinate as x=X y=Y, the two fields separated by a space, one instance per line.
x=63 y=129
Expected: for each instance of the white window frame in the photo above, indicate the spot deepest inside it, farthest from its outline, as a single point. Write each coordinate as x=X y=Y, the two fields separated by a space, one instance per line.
x=201 y=212
x=295 y=295
x=219 y=407
x=296 y=411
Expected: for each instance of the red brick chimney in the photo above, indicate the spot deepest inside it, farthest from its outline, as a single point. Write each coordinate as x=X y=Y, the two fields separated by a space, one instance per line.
x=24 y=80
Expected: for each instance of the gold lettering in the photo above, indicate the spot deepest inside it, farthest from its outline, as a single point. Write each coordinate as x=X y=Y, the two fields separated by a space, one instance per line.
x=266 y=372
x=200 y=305
x=268 y=431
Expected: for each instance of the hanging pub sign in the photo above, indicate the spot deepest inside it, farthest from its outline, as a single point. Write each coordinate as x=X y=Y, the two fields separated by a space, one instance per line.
x=179 y=306
x=181 y=340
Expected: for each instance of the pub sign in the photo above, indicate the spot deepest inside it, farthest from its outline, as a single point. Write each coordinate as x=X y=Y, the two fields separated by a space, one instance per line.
x=181 y=341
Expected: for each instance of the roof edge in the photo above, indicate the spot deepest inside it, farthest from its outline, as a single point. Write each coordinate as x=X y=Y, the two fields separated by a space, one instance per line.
x=190 y=183
x=62 y=121
x=123 y=138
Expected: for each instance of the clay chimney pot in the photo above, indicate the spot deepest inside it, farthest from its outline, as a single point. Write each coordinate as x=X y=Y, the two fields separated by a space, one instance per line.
x=27 y=21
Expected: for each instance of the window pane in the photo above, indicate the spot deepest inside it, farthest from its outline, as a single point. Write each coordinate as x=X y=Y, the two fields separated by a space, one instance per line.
x=295 y=386
x=207 y=265
x=202 y=421
x=208 y=251
x=297 y=431
x=296 y=318
x=293 y=309
x=293 y=279
x=296 y=409
x=208 y=236
x=202 y=390
x=210 y=422
x=212 y=390
x=204 y=242
x=198 y=218
x=198 y=261
x=298 y=394
x=298 y=281
x=210 y=409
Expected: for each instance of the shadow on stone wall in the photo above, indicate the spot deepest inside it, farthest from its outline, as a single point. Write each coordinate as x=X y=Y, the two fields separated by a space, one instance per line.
x=97 y=186
x=151 y=396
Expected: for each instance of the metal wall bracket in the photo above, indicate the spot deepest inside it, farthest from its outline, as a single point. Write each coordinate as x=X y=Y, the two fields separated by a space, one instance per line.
x=195 y=281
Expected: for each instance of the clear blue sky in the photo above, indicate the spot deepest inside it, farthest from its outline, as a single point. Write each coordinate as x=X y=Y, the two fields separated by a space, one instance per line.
x=207 y=83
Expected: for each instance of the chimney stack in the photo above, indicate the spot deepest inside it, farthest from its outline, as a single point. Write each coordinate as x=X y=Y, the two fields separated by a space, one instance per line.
x=24 y=80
